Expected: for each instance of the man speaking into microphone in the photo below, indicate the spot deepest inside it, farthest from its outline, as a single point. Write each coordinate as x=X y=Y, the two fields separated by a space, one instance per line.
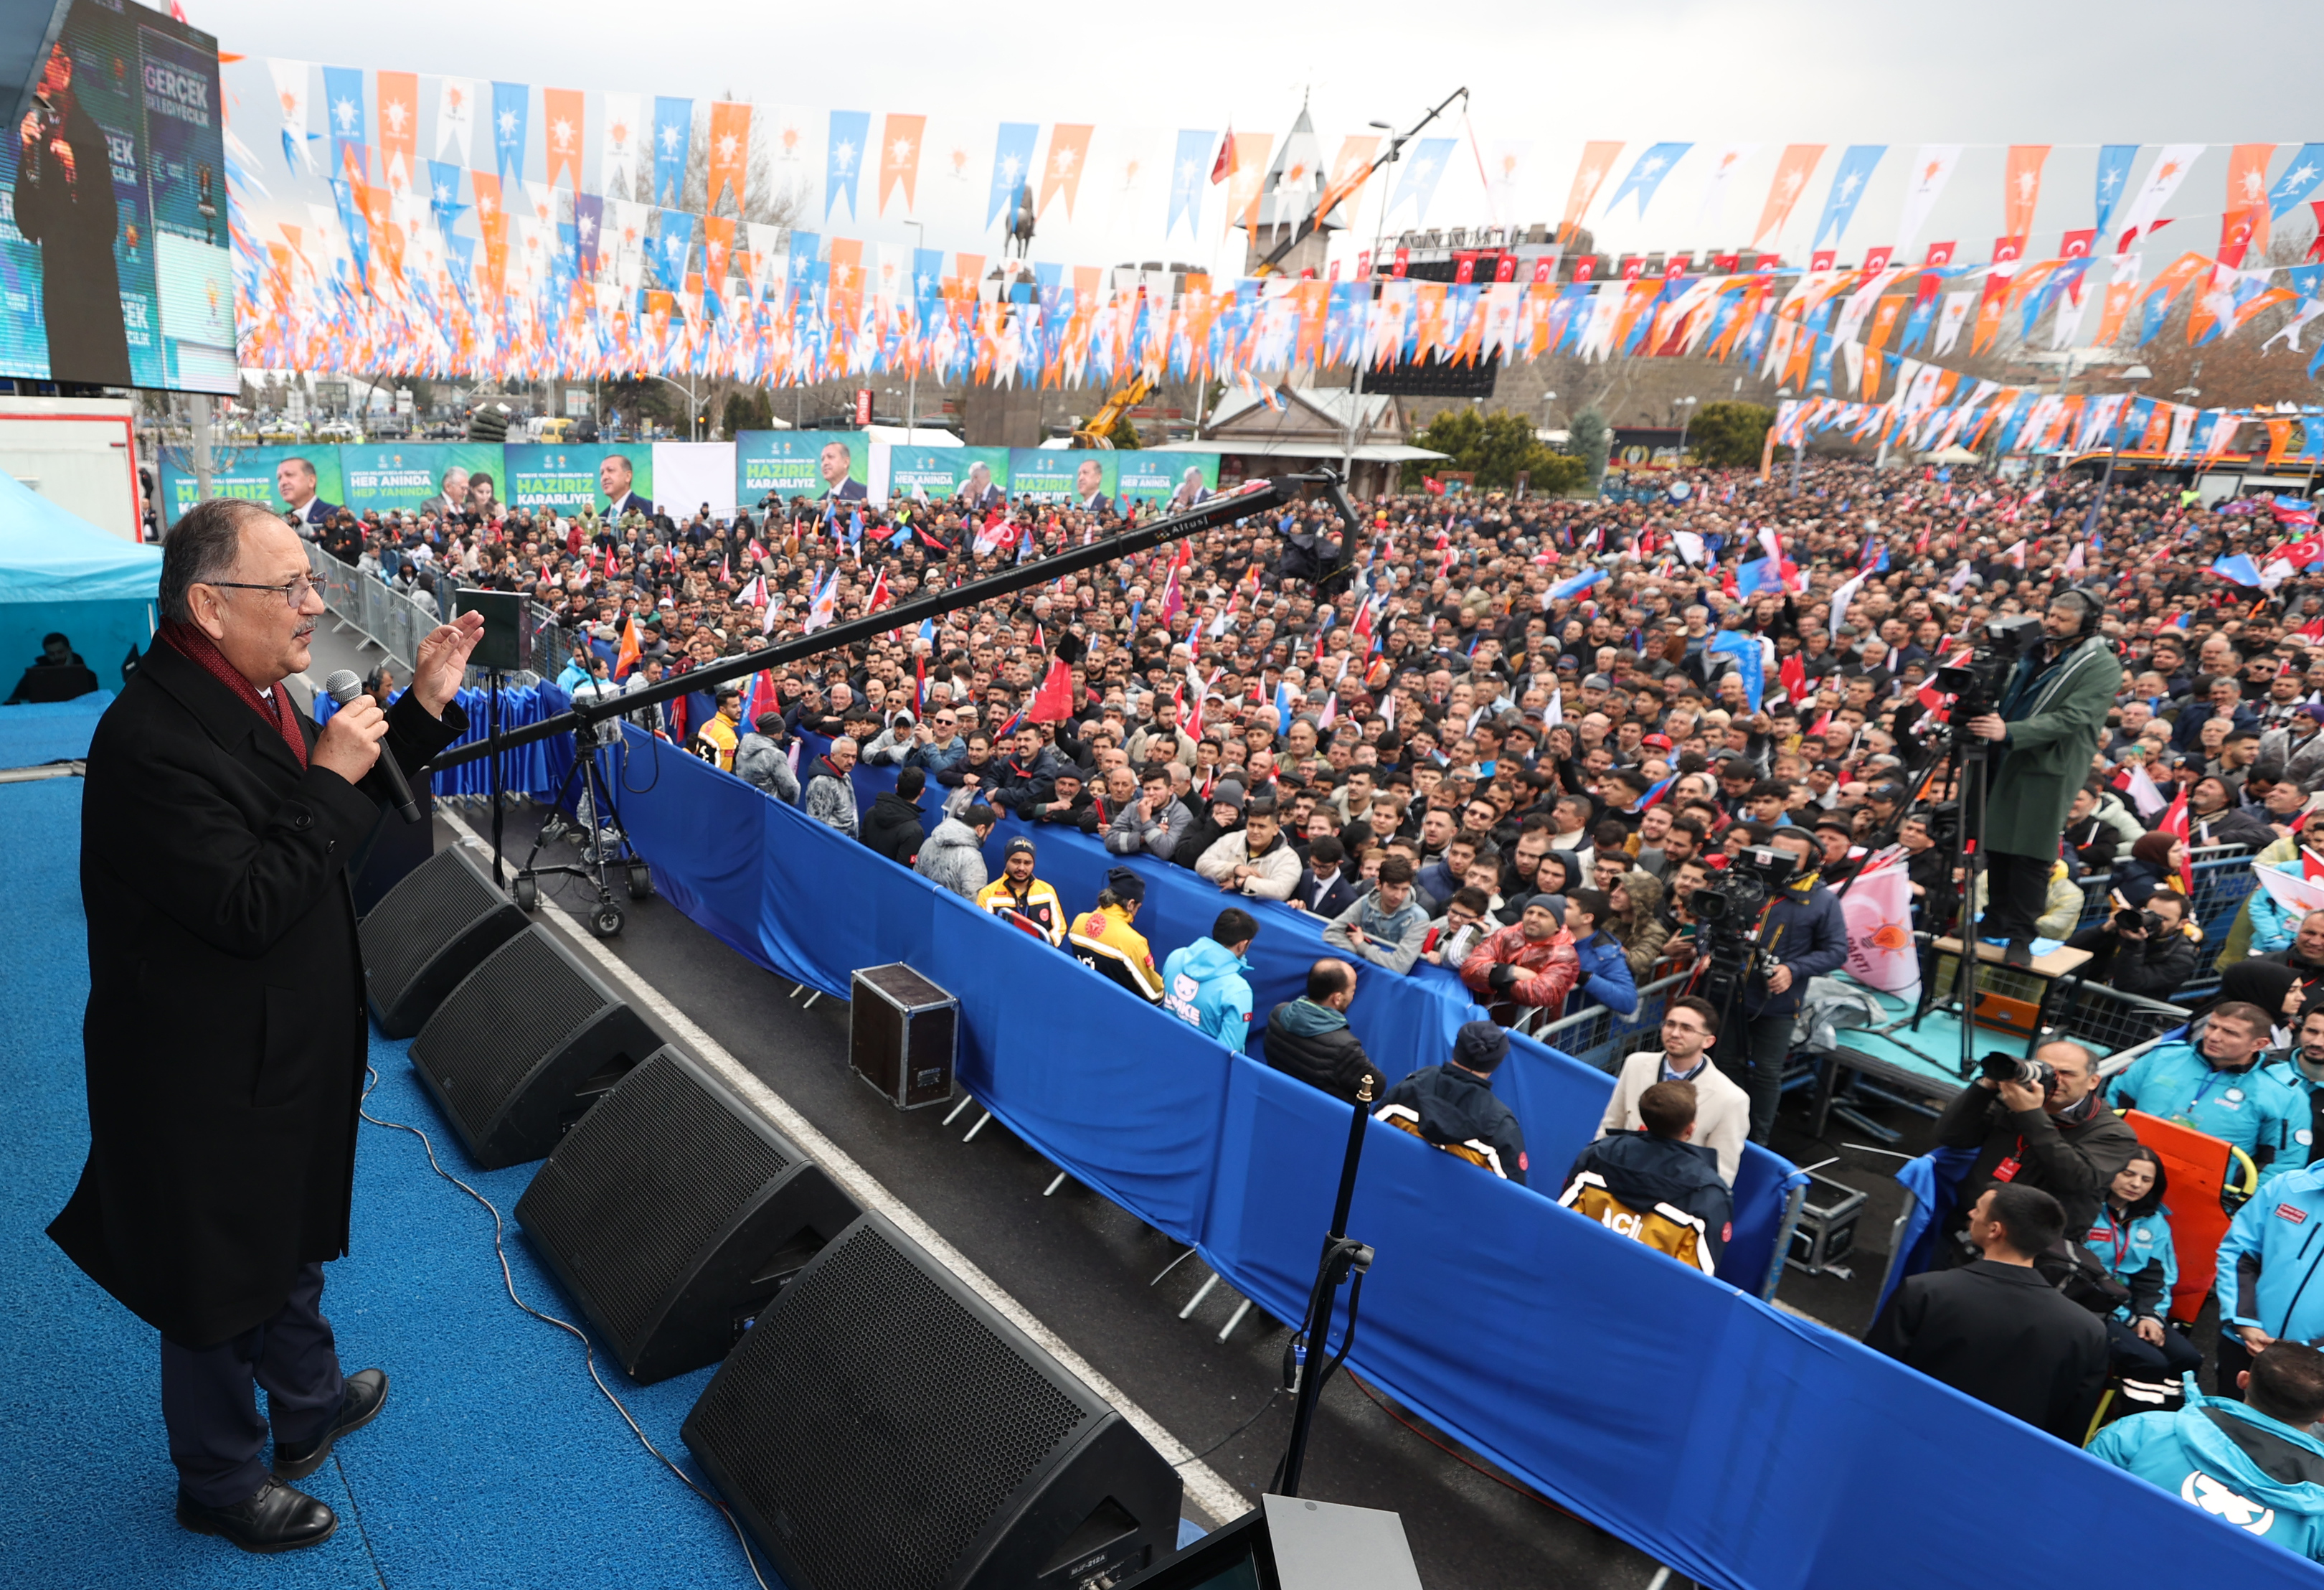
x=225 y=1036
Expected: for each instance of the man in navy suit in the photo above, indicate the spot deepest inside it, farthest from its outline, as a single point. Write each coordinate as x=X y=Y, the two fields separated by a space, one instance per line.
x=833 y=466
x=1322 y=888
x=294 y=478
x=615 y=474
x=977 y=491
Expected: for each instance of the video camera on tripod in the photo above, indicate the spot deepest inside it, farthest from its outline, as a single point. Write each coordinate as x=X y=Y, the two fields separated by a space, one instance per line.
x=1975 y=682
x=1729 y=909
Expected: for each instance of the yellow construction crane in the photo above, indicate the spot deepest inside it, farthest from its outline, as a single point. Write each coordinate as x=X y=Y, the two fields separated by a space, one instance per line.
x=1098 y=431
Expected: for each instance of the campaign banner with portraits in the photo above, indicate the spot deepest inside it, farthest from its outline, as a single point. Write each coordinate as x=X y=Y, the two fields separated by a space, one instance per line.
x=978 y=476
x=421 y=478
x=812 y=464
x=283 y=477
x=610 y=479
x=1162 y=479
x=1078 y=477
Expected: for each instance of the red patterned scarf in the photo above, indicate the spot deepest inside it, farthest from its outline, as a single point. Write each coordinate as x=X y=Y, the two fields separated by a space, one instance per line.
x=204 y=652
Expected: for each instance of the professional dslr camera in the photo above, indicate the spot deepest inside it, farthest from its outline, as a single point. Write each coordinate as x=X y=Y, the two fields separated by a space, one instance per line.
x=2131 y=920
x=2001 y=1067
x=1976 y=683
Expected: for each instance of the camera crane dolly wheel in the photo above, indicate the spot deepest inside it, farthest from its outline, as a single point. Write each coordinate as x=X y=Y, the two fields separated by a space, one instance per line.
x=605 y=844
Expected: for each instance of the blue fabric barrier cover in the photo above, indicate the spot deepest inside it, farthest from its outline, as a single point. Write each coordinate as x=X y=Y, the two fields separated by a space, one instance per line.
x=35 y=731
x=537 y=769
x=1740 y=1447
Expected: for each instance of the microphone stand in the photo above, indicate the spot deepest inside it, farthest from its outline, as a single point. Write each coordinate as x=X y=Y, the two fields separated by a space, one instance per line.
x=1255 y=496
x=1341 y=1256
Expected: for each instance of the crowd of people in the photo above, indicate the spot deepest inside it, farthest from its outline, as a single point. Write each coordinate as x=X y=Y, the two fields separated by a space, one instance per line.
x=1514 y=739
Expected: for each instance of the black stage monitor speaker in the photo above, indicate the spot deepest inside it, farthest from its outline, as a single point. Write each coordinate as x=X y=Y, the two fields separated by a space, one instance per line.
x=673 y=1214
x=502 y=645
x=427 y=933
x=522 y=1048
x=882 y=1428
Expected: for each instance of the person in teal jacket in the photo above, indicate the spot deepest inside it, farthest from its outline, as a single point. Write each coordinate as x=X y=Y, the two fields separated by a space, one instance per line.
x=2130 y=1236
x=1204 y=982
x=2218 y=1084
x=2253 y=1465
x=2271 y=1279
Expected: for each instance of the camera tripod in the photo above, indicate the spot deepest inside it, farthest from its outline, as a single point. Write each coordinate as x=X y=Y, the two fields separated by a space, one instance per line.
x=605 y=842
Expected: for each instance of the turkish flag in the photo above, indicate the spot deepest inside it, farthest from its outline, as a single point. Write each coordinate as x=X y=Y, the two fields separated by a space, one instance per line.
x=2305 y=550
x=1054 y=701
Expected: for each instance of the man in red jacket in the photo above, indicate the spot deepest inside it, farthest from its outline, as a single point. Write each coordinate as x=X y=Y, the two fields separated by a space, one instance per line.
x=1526 y=965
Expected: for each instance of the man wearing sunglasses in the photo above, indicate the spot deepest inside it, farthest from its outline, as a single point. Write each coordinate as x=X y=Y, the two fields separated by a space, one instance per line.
x=1722 y=1110
x=226 y=1037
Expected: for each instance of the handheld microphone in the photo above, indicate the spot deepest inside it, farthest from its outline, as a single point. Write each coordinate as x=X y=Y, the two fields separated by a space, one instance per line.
x=344 y=686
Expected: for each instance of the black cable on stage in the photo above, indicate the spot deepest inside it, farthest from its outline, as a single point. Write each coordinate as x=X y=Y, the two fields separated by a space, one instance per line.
x=1231 y=1434
x=589 y=1352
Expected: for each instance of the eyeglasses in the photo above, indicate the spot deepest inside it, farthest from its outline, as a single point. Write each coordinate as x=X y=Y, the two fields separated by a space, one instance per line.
x=294 y=593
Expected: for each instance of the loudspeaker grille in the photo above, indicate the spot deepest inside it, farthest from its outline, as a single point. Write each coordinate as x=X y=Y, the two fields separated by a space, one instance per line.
x=642 y=1184
x=875 y=1424
x=503 y=1019
x=401 y=935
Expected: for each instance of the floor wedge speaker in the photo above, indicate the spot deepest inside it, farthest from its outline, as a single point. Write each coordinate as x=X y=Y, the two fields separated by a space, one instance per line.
x=427 y=933
x=673 y=1212
x=525 y=1044
x=882 y=1428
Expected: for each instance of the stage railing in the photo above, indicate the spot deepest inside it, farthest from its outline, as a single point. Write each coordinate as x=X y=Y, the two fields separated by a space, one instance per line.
x=1676 y=1410
x=2223 y=882
x=1601 y=1036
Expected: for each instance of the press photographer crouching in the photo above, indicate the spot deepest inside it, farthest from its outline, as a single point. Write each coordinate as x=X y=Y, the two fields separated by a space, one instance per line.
x=2147 y=949
x=2039 y=1124
x=2048 y=720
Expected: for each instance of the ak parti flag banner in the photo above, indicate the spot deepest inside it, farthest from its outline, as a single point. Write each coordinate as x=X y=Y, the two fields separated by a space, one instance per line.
x=900 y=158
x=1791 y=180
x=1597 y=160
x=1879 y=909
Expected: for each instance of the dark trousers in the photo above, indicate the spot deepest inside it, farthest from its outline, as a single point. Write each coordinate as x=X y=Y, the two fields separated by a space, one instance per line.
x=2141 y=1360
x=2016 y=889
x=1756 y=1064
x=211 y=1409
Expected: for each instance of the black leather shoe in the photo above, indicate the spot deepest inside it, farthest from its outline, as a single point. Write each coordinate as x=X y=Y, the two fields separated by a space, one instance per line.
x=2019 y=954
x=274 y=1517
x=366 y=1395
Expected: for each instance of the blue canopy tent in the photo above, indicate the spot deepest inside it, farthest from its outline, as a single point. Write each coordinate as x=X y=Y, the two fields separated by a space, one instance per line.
x=60 y=573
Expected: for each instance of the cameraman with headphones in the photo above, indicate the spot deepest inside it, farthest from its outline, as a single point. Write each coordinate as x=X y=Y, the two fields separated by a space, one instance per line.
x=2052 y=713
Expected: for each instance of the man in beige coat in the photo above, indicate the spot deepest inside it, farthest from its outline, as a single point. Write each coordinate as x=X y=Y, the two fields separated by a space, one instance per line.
x=1722 y=1111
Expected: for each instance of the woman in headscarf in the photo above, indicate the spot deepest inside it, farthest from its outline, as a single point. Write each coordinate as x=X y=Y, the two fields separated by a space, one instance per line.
x=2272 y=985
x=2155 y=863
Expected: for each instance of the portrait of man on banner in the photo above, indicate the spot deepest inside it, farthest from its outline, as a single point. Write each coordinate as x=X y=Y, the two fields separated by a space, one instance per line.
x=1089 y=486
x=616 y=475
x=835 y=464
x=1190 y=490
x=977 y=491
x=451 y=497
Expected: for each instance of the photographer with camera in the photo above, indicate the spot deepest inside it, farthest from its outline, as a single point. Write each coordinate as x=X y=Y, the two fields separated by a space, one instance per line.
x=2149 y=951
x=2048 y=719
x=1801 y=934
x=2039 y=1124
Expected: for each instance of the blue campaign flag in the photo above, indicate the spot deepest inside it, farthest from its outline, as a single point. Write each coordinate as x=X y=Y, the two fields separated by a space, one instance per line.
x=855 y=527
x=1423 y=168
x=2114 y=176
x=851 y=130
x=1189 y=170
x=2238 y=567
x=673 y=241
x=929 y=630
x=1749 y=577
x=2299 y=180
x=1646 y=176
x=444 y=194
x=1574 y=587
x=1013 y=161
x=343 y=108
x=673 y=133
x=1745 y=650
x=509 y=111
x=1282 y=705
x=352 y=221
x=589 y=221
x=1847 y=184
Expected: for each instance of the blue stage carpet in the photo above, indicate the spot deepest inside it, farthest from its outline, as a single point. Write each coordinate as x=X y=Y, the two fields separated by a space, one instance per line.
x=496 y=1462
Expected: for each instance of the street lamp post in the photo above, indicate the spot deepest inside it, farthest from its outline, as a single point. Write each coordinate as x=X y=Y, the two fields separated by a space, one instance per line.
x=912 y=373
x=1685 y=417
x=1364 y=332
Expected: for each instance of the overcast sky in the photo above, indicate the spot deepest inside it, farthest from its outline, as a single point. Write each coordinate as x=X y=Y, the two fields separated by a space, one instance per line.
x=1553 y=75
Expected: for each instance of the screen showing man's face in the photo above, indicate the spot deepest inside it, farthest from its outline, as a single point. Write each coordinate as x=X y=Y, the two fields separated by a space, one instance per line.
x=1089 y=477
x=295 y=479
x=613 y=476
x=834 y=463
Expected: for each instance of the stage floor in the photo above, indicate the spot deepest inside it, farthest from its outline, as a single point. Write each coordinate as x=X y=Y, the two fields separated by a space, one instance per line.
x=496 y=1462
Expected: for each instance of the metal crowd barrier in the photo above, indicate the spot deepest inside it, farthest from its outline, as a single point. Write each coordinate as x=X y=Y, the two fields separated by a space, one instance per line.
x=2106 y=1018
x=388 y=619
x=2223 y=880
x=1603 y=1037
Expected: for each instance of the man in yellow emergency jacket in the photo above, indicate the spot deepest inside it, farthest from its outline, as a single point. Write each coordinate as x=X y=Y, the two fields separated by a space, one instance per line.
x=1018 y=896
x=1104 y=941
x=715 y=740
